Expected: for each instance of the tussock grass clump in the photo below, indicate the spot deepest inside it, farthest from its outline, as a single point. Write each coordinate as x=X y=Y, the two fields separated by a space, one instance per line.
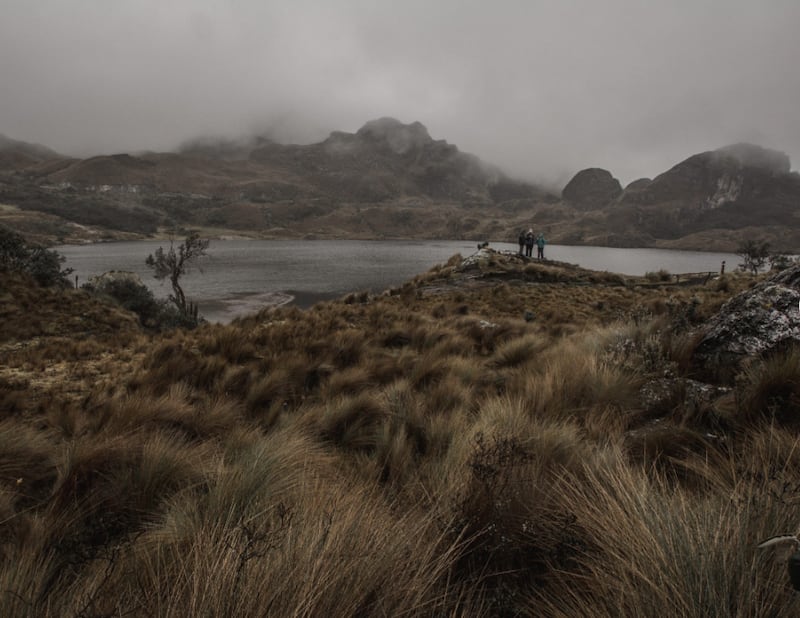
x=502 y=479
x=427 y=370
x=516 y=352
x=178 y=411
x=348 y=348
x=656 y=549
x=571 y=381
x=236 y=381
x=449 y=395
x=232 y=344
x=397 y=338
x=326 y=551
x=770 y=388
x=177 y=360
x=679 y=349
x=665 y=447
x=352 y=423
x=403 y=436
x=27 y=464
x=13 y=396
x=268 y=397
x=427 y=336
x=348 y=381
x=453 y=344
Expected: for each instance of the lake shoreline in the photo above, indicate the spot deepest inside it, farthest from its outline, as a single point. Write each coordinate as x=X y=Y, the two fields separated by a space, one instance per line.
x=242 y=276
x=225 y=237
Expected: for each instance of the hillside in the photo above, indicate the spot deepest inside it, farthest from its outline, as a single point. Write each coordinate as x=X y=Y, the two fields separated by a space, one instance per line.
x=386 y=180
x=392 y=180
x=709 y=201
x=493 y=438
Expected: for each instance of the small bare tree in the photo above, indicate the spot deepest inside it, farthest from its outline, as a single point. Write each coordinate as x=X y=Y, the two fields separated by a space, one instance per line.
x=754 y=253
x=172 y=265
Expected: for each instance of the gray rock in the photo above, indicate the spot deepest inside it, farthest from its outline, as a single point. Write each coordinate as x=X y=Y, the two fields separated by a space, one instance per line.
x=755 y=322
x=101 y=283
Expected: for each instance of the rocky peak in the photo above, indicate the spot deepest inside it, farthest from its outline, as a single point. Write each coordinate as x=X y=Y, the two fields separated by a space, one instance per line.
x=749 y=155
x=399 y=137
x=592 y=188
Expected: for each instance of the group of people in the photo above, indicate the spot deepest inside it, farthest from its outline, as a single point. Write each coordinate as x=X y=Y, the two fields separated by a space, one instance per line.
x=526 y=242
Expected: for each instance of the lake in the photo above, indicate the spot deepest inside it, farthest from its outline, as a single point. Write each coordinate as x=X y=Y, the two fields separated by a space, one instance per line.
x=242 y=276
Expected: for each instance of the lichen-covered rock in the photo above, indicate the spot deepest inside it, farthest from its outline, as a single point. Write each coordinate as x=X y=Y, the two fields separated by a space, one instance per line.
x=663 y=395
x=477 y=259
x=102 y=283
x=753 y=323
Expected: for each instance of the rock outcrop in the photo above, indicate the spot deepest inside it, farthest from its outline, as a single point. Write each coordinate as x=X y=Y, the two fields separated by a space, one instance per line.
x=756 y=322
x=108 y=280
x=399 y=137
x=716 y=178
x=734 y=188
x=591 y=189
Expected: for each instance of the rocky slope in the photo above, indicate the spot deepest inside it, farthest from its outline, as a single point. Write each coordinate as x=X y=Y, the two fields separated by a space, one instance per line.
x=711 y=200
x=388 y=179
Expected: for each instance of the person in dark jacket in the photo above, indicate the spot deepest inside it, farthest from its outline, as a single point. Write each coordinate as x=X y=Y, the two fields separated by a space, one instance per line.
x=529 y=243
x=521 y=241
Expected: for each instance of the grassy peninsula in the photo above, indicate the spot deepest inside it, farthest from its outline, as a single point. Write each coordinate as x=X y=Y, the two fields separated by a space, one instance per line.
x=497 y=437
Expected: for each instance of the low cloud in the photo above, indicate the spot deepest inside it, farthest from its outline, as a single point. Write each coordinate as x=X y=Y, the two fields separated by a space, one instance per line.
x=540 y=89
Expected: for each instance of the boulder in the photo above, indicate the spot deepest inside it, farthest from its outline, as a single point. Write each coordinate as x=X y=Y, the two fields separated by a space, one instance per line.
x=592 y=188
x=103 y=283
x=756 y=322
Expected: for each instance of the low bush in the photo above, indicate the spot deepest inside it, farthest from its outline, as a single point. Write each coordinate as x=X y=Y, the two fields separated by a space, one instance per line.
x=661 y=275
x=43 y=264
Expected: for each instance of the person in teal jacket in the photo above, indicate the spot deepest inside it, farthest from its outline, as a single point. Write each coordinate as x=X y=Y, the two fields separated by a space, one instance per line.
x=540 y=243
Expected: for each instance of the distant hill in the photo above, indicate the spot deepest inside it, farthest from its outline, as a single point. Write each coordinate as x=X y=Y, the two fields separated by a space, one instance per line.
x=391 y=180
x=15 y=154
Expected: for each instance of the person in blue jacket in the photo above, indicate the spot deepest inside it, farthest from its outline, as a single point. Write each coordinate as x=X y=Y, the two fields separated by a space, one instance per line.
x=540 y=243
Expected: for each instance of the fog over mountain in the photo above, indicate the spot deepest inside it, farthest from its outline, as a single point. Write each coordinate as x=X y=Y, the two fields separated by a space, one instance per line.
x=541 y=89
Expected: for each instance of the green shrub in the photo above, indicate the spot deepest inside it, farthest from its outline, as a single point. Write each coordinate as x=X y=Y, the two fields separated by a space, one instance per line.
x=43 y=264
x=662 y=275
x=153 y=313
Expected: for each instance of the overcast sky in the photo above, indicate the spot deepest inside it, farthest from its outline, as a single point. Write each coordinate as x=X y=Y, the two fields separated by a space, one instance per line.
x=541 y=88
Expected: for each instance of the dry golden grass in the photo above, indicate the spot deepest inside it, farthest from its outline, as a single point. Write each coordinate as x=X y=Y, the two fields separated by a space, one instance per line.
x=771 y=388
x=653 y=549
x=459 y=447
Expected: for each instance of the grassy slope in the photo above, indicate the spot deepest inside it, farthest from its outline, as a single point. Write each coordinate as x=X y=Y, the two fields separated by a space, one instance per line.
x=427 y=452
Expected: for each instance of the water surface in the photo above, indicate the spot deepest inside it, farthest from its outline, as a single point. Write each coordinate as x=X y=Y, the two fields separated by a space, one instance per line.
x=241 y=276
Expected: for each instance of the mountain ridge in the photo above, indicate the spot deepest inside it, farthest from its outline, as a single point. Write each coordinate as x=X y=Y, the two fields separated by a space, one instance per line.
x=393 y=180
